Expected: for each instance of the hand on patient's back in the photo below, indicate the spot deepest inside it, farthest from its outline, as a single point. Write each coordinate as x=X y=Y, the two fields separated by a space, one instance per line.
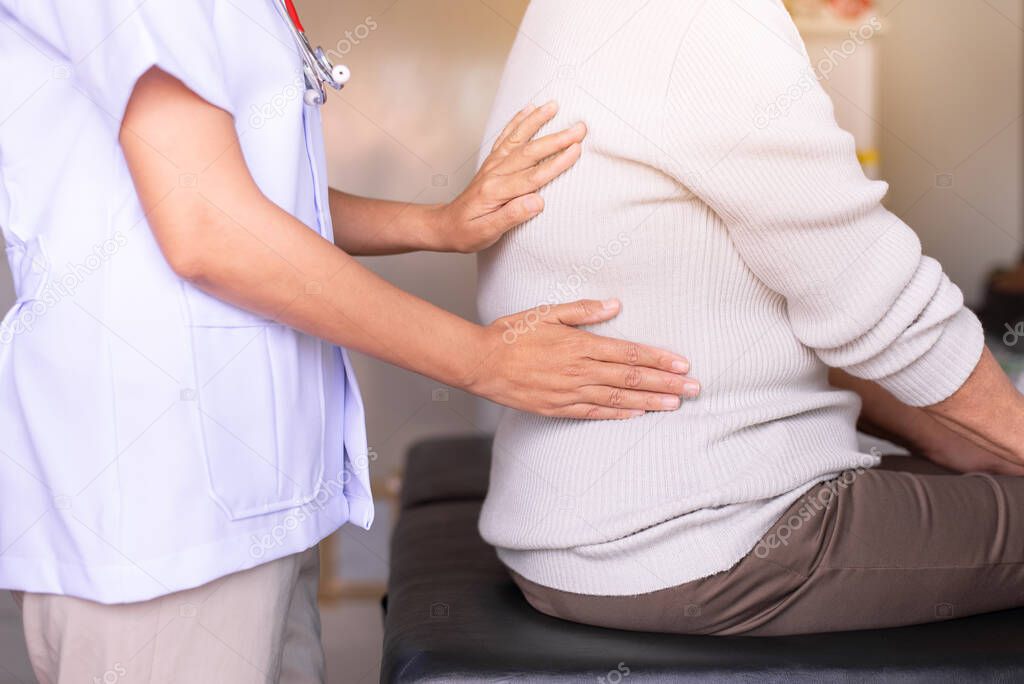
x=538 y=361
x=503 y=193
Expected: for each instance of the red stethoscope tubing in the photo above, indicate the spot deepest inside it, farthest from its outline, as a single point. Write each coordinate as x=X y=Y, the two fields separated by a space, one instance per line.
x=317 y=65
x=293 y=13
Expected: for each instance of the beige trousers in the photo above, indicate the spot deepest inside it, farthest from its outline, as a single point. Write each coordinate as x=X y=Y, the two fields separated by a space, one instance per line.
x=259 y=625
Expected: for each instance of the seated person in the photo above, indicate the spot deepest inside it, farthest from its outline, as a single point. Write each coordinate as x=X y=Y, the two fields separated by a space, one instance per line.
x=720 y=200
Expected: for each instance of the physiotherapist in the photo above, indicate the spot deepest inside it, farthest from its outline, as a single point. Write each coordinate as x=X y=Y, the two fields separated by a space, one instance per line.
x=180 y=421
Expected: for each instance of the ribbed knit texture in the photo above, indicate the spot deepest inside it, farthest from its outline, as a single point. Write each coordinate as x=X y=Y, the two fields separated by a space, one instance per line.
x=720 y=202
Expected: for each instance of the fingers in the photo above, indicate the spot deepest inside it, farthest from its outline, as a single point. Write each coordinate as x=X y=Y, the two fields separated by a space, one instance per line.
x=533 y=152
x=640 y=378
x=586 y=376
x=502 y=188
x=583 y=312
x=619 y=398
x=536 y=177
x=595 y=412
x=591 y=311
x=633 y=354
x=511 y=125
x=519 y=210
x=533 y=122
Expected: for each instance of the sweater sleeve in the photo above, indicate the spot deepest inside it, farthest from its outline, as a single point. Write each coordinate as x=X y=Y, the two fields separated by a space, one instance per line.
x=109 y=44
x=751 y=133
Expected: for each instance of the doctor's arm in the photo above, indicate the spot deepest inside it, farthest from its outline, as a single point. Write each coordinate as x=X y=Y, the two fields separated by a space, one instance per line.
x=502 y=195
x=223 y=235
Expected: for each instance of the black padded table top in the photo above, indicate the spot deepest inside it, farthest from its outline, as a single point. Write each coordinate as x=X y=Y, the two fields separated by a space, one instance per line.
x=455 y=616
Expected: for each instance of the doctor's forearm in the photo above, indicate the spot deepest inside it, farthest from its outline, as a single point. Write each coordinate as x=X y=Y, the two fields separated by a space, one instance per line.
x=370 y=227
x=284 y=271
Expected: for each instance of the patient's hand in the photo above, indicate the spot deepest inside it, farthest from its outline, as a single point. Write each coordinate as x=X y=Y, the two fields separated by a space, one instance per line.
x=538 y=361
x=503 y=194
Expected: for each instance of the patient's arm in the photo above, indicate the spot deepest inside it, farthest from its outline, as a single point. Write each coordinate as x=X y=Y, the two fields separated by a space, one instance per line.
x=785 y=181
x=988 y=410
x=920 y=432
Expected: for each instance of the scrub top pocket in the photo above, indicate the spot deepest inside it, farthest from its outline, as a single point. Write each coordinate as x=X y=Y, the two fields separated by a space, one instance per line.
x=262 y=423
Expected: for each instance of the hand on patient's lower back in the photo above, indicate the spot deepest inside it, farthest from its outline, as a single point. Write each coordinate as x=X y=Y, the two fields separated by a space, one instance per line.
x=538 y=361
x=503 y=193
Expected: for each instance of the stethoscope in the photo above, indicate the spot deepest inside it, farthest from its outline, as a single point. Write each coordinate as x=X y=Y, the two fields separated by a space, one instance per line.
x=316 y=66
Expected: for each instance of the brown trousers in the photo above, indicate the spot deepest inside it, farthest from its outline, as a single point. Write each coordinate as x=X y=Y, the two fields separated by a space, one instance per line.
x=903 y=544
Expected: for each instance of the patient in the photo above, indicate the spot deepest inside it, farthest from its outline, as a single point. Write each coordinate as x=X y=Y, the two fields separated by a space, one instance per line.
x=720 y=201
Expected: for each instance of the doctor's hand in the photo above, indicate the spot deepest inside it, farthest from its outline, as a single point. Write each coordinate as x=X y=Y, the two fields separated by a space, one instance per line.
x=503 y=194
x=538 y=361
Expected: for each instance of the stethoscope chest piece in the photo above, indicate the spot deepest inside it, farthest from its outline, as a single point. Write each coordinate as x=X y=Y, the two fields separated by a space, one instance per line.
x=316 y=65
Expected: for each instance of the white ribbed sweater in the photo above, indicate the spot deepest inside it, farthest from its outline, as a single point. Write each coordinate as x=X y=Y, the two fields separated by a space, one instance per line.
x=719 y=200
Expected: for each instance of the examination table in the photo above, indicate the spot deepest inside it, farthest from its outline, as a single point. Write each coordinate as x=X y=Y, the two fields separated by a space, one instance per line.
x=452 y=614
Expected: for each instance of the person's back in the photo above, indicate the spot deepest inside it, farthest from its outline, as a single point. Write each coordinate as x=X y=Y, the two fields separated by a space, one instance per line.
x=720 y=243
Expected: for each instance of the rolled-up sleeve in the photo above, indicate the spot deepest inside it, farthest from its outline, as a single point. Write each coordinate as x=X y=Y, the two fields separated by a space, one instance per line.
x=109 y=44
x=752 y=133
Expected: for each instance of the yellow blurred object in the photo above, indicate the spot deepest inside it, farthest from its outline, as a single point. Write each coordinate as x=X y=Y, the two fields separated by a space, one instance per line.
x=868 y=157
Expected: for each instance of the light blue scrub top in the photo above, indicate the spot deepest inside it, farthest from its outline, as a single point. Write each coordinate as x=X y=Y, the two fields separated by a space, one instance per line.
x=153 y=438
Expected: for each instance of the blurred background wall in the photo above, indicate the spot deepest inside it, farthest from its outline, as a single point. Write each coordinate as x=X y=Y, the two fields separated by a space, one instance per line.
x=952 y=73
